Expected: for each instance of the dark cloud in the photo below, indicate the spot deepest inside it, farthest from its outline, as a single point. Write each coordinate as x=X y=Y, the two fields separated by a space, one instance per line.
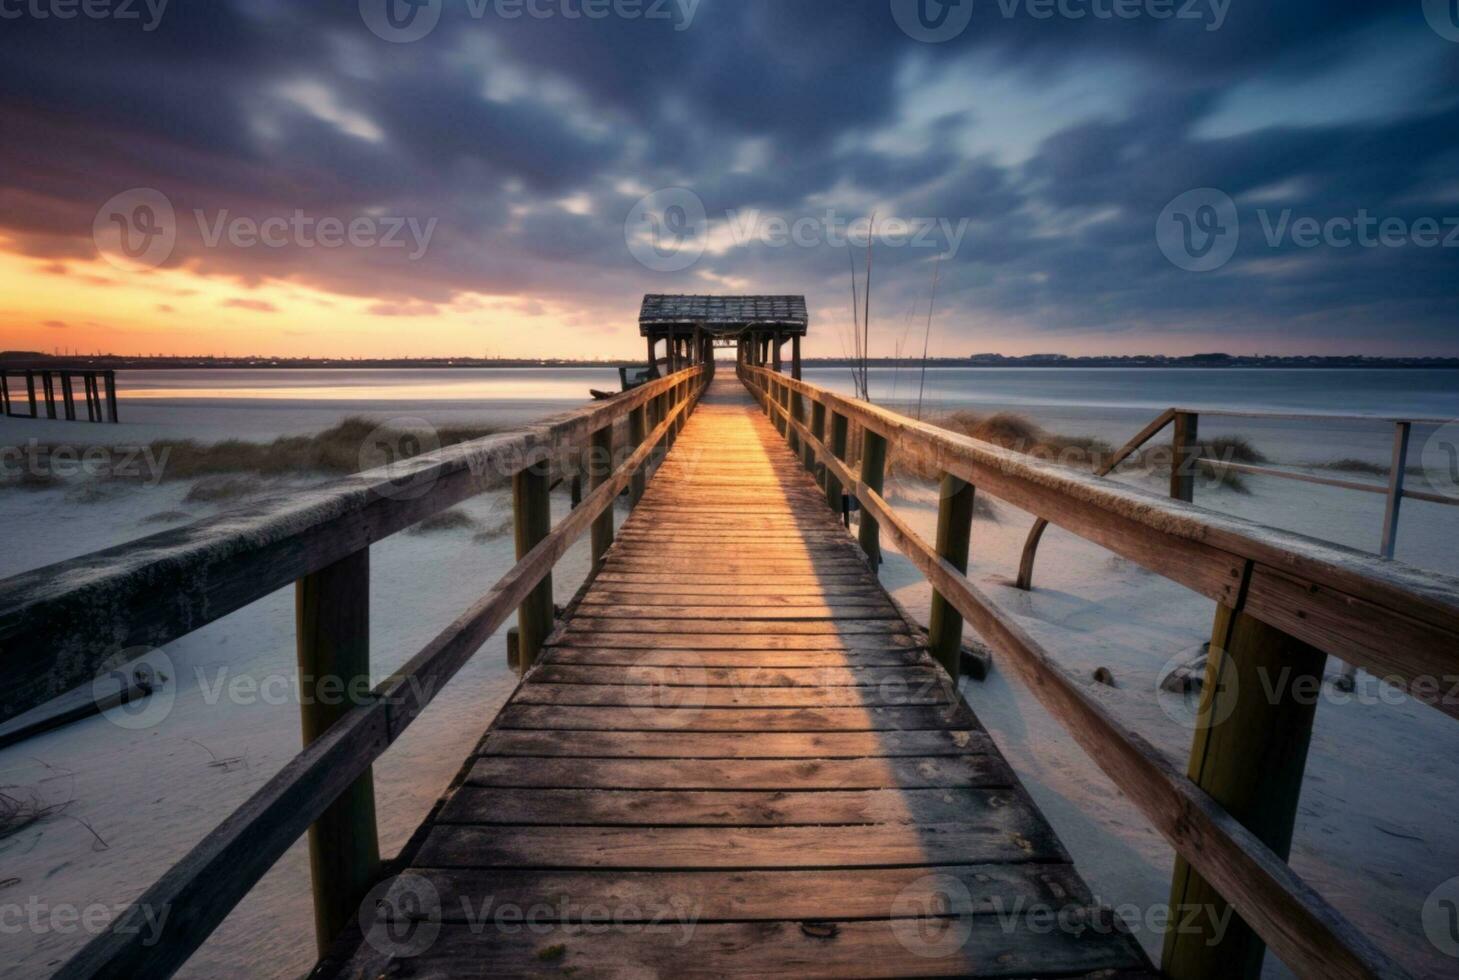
x=530 y=140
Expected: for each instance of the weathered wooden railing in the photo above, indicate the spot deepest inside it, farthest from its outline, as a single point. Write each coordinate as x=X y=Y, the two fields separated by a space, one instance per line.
x=42 y=385
x=60 y=625
x=1283 y=601
x=1185 y=456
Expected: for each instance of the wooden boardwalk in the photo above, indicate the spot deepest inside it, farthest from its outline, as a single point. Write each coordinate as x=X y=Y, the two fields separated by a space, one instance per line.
x=735 y=759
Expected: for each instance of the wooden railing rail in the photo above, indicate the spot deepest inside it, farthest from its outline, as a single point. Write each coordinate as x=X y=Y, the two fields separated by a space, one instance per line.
x=1398 y=622
x=1185 y=456
x=1231 y=843
x=320 y=541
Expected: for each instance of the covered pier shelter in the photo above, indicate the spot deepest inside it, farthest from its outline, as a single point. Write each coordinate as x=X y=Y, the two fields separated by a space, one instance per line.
x=691 y=326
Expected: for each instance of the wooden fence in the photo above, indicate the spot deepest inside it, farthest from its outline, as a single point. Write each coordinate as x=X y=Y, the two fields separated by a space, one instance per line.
x=1283 y=602
x=38 y=389
x=60 y=625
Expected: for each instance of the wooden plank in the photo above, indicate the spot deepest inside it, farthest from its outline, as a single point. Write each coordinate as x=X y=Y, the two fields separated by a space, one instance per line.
x=736 y=677
x=707 y=642
x=576 y=718
x=859 y=893
x=734 y=658
x=909 y=772
x=739 y=808
x=908 y=691
x=595 y=625
x=741 y=745
x=982 y=946
x=1006 y=835
x=834 y=612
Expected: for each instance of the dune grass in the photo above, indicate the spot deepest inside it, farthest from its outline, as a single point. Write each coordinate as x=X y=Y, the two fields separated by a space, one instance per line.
x=335 y=450
x=225 y=470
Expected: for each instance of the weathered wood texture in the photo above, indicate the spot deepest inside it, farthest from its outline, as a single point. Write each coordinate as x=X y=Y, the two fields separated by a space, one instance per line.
x=736 y=759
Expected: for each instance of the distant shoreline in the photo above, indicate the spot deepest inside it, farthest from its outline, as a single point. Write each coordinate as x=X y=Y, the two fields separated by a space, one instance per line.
x=19 y=361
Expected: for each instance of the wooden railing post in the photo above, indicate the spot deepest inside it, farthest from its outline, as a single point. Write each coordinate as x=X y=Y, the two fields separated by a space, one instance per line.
x=1401 y=433
x=637 y=432
x=818 y=431
x=30 y=392
x=68 y=396
x=873 y=469
x=111 y=396
x=1184 y=450
x=532 y=511
x=954 y=531
x=600 y=455
x=838 y=449
x=1249 y=754
x=48 y=389
x=332 y=621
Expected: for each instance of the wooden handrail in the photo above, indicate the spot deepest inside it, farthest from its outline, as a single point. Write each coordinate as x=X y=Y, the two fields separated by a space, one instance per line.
x=1036 y=533
x=61 y=623
x=200 y=890
x=1301 y=927
x=1398 y=622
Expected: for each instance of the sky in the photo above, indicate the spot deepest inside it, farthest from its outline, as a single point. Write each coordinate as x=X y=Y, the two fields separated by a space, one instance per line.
x=509 y=177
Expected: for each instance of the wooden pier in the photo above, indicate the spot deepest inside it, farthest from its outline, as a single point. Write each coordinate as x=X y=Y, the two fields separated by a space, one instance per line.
x=735 y=725
x=732 y=753
x=50 y=393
